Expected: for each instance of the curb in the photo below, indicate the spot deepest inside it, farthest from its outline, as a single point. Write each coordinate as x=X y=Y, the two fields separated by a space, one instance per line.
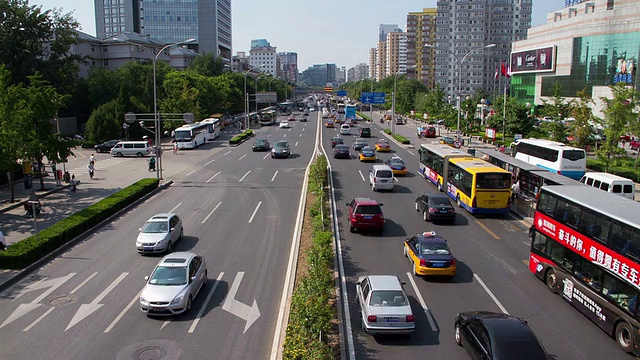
x=21 y=274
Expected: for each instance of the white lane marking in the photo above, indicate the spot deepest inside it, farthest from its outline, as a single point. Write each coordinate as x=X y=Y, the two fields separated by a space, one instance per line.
x=285 y=135
x=274 y=176
x=204 y=306
x=296 y=144
x=255 y=211
x=493 y=297
x=115 y=321
x=300 y=135
x=165 y=323
x=227 y=153
x=362 y=176
x=411 y=153
x=269 y=136
x=209 y=162
x=264 y=157
x=245 y=175
x=83 y=283
x=38 y=319
x=175 y=207
x=86 y=310
x=427 y=312
x=211 y=178
x=211 y=213
x=242 y=157
x=191 y=172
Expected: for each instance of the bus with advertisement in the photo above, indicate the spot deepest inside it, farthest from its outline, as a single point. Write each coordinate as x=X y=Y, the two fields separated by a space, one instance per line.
x=213 y=127
x=478 y=186
x=434 y=162
x=585 y=245
x=552 y=156
x=190 y=136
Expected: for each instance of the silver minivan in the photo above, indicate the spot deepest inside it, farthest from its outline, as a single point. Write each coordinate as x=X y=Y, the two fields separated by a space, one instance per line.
x=381 y=178
x=131 y=148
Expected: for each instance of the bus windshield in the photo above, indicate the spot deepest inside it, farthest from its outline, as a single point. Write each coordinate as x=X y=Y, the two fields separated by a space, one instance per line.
x=493 y=181
x=183 y=135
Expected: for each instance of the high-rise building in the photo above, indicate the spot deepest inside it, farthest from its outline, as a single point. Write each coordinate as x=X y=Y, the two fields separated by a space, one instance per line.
x=384 y=29
x=396 y=54
x=421 y=30
x=358 y=72
x=288 y=65
x=170 y=21
x=373 y=55
x=464 y=26
x=263 y=55
x=380 y=71
x=319 y=75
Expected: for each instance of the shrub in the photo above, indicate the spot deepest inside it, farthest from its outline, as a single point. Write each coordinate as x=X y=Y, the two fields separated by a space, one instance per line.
x=240 y=138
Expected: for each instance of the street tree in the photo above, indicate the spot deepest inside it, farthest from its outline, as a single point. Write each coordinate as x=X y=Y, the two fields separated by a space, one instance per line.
x=556 y=107
x=105 y=122
x=582 y=127
x=207 y=64
x=619 y=112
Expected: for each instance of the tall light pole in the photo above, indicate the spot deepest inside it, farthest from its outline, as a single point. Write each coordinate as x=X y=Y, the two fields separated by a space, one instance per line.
x=246 y=96
x=256 y=96
x=460 y=61
x=155 y=108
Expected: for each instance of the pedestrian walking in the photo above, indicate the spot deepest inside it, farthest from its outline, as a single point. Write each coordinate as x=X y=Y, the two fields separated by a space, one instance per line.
x=175 y=147
x=91 y=169
x=73 y=183
x=92 y=160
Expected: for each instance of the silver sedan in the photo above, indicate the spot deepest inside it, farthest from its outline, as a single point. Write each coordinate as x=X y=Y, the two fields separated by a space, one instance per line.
x=384 y=306
x=174 y=283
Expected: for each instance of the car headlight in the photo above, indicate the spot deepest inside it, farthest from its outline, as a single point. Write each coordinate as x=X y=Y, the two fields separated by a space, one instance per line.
x=144 y=301
x=138 y=243
x=177 y=300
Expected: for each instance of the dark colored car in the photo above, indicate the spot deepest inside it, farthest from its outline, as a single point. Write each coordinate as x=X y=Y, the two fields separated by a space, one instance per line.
x=430 y=255
x=489 y=335
x=436 y=206
x=106 y=146
x=280 y=150
x=261 y=145
x=447 y=140
x=365 y=214
x=302 y=118
x=336 y=140
x=365 y=132
x=341 y=151
x=359 y=144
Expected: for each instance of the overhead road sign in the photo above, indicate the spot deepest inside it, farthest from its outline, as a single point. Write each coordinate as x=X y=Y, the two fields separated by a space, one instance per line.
x=328 y=89
x=342 y=93
x=373 y=98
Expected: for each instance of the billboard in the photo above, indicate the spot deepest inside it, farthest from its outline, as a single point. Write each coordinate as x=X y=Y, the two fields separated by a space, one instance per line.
x=536 y=60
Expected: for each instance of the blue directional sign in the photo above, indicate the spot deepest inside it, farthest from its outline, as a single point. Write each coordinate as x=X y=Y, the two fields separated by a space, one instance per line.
x=342 y=93
x=373 y=98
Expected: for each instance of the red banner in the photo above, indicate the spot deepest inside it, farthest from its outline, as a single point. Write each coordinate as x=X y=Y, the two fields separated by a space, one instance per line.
x=589 y=249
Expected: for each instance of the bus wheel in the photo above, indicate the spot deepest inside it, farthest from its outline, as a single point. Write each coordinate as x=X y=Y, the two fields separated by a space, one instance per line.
x=551 y=280
x=624 y=336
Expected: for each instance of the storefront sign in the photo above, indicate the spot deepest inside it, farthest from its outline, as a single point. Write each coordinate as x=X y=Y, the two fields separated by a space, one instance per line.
x=625 y=69
x=536 y=60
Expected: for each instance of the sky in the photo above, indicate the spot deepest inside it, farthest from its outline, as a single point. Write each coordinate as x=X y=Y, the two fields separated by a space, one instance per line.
x=337 y=32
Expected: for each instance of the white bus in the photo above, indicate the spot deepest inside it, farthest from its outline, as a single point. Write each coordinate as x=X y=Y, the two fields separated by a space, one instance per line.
x=190 y=136
x=614 y=184
x=552 y=156
x=213 y=127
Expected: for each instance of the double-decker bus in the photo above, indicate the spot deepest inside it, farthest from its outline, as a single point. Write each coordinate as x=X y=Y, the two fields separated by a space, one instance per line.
x=586 y=247
x=478 y=186
x=267 y=117
x=213 y=127
x=434 y=162
x=190 y=136
x=552 y=156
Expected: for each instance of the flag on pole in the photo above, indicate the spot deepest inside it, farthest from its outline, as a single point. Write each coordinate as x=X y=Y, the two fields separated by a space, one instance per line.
x=503 y=69
x=509 y=71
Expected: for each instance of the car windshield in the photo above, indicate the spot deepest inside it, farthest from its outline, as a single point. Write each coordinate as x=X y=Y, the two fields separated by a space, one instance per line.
x=368 y=209
x=439 y=201
x=261 y=142
x=388 y=298
x=396 y=162
x=280 y=145
x=155 y=227
x=342 y=148
x=338 y=140
x=527 y=349
x=435 y=249
x=385 y=174
x=383 y=143
x=169 y=275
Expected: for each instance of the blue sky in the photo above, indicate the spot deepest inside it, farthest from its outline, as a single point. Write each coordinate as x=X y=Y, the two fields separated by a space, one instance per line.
x=320 y=31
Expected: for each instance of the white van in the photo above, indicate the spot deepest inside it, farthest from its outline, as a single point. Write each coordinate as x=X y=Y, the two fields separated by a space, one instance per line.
x=381 y=178
x=131 y=148
x=345 y=129
x=610 y=183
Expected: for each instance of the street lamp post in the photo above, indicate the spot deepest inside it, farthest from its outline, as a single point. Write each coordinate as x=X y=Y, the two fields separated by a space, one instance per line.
x=256 y=96
x=246 y=96
x=155 y=109
x=460 y=61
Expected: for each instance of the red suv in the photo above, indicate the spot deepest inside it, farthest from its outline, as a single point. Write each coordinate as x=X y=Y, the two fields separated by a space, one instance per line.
x=365 y=214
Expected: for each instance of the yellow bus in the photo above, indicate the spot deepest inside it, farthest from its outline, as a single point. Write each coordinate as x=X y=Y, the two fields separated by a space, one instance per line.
x=434 y=162
x=478 y=186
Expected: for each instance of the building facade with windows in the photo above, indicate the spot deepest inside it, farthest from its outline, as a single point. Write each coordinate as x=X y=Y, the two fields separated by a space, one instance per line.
x=319 y=75
x=373 y=55
x=421 y=30
x=263 y=54
x=586 y=46
x=466 y=25
x=358 y=72
x=288 y=66
x=396 y=53
x=170 y=21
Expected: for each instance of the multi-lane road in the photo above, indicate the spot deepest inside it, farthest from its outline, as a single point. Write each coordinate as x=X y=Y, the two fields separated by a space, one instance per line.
x=239 y=210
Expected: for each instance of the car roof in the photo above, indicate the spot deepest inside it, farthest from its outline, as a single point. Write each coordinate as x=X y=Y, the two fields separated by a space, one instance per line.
x=361 y=140
x=340 y=146
x=177 y=259
x=381 y=167
x=506 y=327
x=431 y=239
x=436 y=196
x=161 y=216
x=366 y=201
x=384 y=282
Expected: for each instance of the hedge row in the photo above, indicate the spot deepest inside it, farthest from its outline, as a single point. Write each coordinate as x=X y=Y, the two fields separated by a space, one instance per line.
x=311 y=312
x=621 y=167
x=398 y=137
x=32 y=249
x=242 y=137
x=363 y=116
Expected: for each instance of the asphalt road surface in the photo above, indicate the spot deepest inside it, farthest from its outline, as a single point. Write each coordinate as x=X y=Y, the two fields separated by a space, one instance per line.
x=238 y=208
x=492 y=271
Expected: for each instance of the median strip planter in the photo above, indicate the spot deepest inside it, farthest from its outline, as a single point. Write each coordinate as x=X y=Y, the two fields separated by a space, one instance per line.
x=238 y=139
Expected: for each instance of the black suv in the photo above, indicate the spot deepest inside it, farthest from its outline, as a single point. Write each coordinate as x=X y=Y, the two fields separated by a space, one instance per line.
x=106 y=146
x=365 y=132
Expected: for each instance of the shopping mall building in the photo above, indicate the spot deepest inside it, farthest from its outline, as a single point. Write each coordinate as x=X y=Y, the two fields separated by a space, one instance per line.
x=588 y=45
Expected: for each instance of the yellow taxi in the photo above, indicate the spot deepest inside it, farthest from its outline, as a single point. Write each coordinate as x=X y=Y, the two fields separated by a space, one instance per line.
x=383 y=146
x=328 y=123
x=367 y=154
x=397 y=165
x=430 y=255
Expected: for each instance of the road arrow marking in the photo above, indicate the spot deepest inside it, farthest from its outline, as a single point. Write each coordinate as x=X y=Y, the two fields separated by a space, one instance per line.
x=248 y=313
x=24 y=309
x=206 y=302
x=88 y=309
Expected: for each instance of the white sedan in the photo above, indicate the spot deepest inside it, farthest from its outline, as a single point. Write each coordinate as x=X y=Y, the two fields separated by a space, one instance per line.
x=284 y=124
